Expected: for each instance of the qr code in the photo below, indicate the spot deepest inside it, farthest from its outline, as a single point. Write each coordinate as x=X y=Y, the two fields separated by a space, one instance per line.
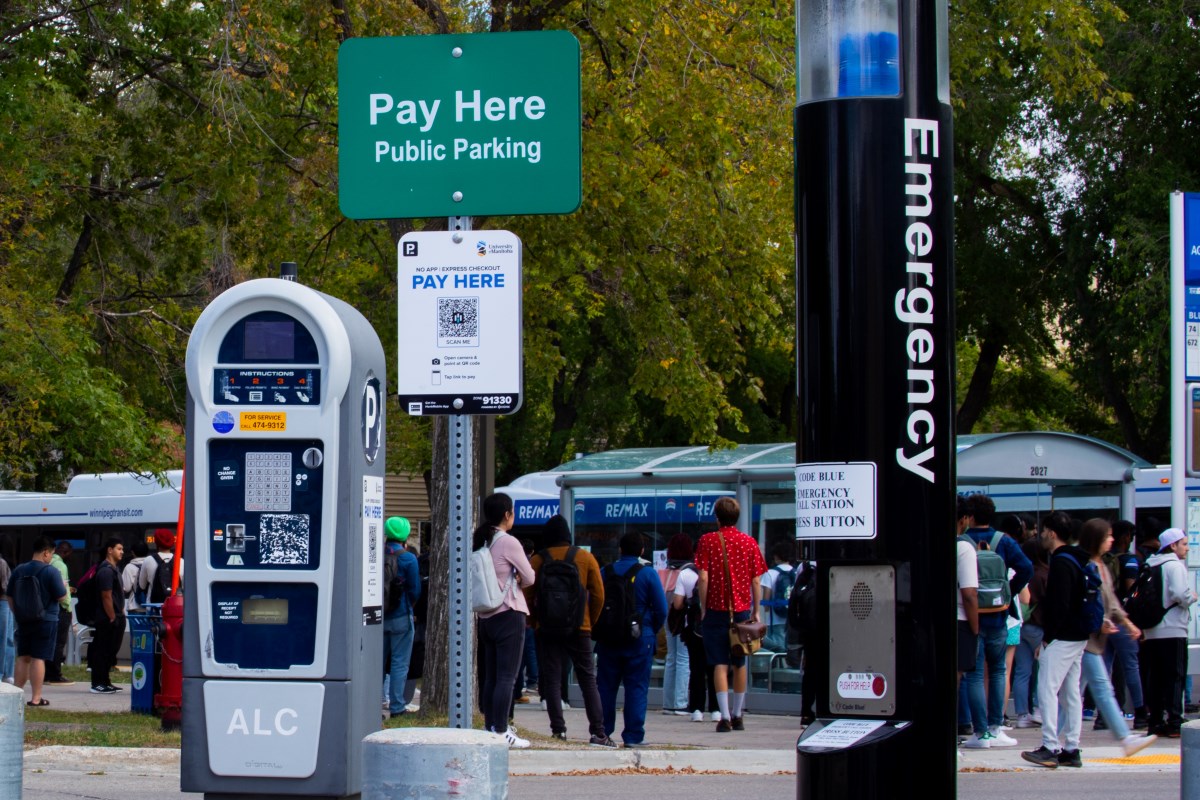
x=372 y=543
x=458 y=322
x=283 y=539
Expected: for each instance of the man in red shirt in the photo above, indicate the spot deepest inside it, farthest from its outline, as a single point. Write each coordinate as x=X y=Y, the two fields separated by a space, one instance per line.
x=729 y=582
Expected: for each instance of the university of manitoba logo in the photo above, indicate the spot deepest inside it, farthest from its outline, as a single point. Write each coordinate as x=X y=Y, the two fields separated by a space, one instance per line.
x=410 y=249
x=481 y=249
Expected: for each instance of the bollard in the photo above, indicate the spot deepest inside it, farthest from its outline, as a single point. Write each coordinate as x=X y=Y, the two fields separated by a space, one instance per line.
x=1189 y=777
x=433 y=763
x=12 y=739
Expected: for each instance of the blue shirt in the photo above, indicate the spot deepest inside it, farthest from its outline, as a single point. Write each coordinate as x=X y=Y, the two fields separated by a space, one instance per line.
x=407 y=568
x=49 y=581
x=1016 y=560
x=651 y=600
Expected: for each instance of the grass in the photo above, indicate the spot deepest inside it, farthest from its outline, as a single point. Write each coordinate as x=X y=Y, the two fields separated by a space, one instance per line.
x=44 y=726
x=80 y=674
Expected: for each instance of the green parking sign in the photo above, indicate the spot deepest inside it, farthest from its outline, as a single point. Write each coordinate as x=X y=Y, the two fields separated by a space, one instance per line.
x=475 y=124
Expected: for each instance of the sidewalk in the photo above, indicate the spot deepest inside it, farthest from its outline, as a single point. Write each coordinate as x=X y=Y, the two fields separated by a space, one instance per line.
x=767 y=746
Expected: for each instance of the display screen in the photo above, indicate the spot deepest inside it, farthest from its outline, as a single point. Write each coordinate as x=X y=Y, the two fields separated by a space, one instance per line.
x=269 y=340
x=264 y=611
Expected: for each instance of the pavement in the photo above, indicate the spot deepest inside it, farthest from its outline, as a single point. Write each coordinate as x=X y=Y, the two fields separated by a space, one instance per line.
x=673 y=743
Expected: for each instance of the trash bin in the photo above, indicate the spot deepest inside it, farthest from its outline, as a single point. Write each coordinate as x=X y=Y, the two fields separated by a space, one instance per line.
x=143 y=641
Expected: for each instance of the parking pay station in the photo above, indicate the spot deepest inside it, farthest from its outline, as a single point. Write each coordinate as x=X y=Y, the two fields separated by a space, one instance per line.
x=283 y=624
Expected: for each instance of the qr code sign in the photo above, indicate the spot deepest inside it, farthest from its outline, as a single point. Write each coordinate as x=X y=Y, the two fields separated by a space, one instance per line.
x=283 y=539
x=458 y=322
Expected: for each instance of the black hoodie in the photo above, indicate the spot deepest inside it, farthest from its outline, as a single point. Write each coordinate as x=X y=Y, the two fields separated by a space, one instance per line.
x=1062 y=605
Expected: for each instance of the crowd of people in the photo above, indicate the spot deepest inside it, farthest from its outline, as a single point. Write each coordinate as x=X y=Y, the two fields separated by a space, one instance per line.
x=1069 y=619
x=604 y=622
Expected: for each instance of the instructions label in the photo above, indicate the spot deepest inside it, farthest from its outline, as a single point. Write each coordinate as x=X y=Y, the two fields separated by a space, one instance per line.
x=843 y=733
x=372 y=590
x=835 y=501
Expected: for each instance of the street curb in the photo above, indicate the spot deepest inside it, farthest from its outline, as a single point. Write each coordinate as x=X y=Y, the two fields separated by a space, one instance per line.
x=739 y=762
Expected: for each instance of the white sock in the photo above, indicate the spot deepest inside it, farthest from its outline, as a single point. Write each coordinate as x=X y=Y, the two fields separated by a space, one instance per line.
x=736 y=703
x=723 y=704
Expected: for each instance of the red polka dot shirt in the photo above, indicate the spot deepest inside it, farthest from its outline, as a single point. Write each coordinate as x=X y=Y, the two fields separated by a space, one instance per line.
x=745 y=563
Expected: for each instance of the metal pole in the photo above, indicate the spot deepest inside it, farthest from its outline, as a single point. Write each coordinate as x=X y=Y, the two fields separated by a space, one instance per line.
x=460 y=702
x=1178 y=383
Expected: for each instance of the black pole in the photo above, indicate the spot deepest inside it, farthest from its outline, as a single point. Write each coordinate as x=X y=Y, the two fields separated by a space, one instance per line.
x=874 y=228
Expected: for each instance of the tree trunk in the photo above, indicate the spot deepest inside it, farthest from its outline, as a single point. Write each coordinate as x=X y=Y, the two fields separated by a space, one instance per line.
x=980 y=388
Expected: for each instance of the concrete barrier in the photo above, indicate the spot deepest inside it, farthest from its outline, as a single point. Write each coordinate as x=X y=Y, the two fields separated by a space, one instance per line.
x=1189 y=770
x=12 y=739
x=434 y=763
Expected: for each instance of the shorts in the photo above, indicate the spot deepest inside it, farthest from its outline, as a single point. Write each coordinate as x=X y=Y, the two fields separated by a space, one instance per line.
x=714 y=630
x=1014 y=635
x=36 y=639
x=968 y=647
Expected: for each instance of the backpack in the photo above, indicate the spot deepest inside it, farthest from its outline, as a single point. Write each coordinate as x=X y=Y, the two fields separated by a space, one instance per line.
x=686 y=619
x=28 y=603
x=1091 y=600
x=160 y=590
x=87 y=596
x=781 y=590
x=560 y=596
x=620 y=622
x=995 y=595
x=486 y=593
x=1145 y=603
x=393 y=583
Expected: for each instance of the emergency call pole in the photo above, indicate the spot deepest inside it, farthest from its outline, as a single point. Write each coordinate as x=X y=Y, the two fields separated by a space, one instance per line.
x=875 y=452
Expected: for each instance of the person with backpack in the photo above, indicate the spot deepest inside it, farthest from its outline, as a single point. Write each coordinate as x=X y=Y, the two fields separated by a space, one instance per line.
x=625 y=633
x=401 y=590
x=731 y=568
x=109 y=620
x=777 y=585
x=54 y=673
x=1097 y=539
x=499 y=566
x=1024 y=690
x=154 y=580
x=677 y=665
x=684 y=615
x=1164 y=650
x=1066 y=630
x=997 y=591
x=135 y=598
x=1121 y=650
x=34 y=591
x=565 y=602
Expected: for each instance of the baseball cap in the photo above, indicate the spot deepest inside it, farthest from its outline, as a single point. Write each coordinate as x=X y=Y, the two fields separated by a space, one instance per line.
x=1169 y=537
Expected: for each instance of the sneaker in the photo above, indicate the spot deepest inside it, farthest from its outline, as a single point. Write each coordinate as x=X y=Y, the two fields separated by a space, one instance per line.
x=1100 y=724
x=543 y=705
x=602 y=741
x=116 y=688
x=966 y=729
x=566 y=706
x=103 y=690
x=524 y=699
x=697 y=716
x=1026 y=721
x=561 y=736
x=1036 y=716
x=1141 y=719
x=634 y=745
x=1001 y=739
x=682 y=713
x=716 y=716
x=738 y=723
x=1043 y=757
x=1134 y=744
x=513 y=740
x=1070 y=758
x=59 y=681
x=724 y=726
x=1169 y=731
x=1089 y=713
x=669 y=712
x=979 y=741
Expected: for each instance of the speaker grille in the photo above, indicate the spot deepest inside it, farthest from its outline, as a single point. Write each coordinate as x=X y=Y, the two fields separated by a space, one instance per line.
x=861 y=600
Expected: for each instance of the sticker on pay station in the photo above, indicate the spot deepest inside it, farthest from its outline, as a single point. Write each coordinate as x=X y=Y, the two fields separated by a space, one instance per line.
x=835 y=501
x=262 y=421
x=459 y=298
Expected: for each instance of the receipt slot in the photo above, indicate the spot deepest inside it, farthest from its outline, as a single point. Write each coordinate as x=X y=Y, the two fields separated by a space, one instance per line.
x=283 y=624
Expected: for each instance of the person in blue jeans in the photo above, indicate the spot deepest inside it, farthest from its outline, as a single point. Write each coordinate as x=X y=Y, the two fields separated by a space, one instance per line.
x=401 y=593
x=987 y=717
x=629 y=664
x=1025 y=662
x=8 y=629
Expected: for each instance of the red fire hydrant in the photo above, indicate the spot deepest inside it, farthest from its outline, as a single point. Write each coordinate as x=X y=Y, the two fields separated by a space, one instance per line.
x=169 y=701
